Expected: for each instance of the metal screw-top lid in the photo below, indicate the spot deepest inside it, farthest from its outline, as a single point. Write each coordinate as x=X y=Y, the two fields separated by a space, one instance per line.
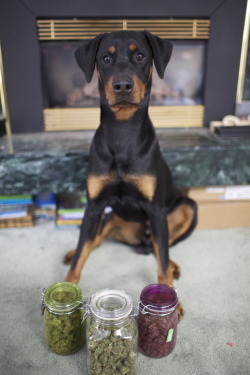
x=111 y=304
x=158 y=299
x=62 y=298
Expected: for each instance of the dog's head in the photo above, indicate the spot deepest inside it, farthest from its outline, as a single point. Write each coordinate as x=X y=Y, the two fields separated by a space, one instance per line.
x=124 y=64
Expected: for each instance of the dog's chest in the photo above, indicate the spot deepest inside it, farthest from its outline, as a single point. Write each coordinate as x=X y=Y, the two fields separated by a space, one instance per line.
x=120 y=182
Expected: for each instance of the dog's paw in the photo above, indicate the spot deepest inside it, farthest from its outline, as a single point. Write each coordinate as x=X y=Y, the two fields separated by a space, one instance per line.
x=69 y=256
x=180 y=311
x=176 y=270
x=173 y=272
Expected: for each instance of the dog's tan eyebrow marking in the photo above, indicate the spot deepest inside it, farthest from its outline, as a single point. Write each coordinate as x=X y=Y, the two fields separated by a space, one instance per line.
x=132 y=47
x=111 y=50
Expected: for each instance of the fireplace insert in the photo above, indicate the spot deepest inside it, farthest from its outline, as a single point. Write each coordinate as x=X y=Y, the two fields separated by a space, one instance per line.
x=30 y=110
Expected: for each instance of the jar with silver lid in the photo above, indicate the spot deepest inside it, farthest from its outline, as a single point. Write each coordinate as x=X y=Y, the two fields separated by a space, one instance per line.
x=111 y=334
x=64 y=327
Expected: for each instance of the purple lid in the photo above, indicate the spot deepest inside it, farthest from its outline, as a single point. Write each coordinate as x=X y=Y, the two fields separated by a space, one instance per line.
x=158 y=298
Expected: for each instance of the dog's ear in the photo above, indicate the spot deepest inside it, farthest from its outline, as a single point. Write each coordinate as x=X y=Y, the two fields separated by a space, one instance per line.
x=162 y=50
x=86 y=55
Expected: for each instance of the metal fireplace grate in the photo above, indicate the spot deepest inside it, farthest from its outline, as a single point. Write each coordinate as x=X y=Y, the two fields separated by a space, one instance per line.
x=85 y=29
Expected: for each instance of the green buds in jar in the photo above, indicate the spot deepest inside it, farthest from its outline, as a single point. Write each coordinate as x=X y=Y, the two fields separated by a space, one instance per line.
x=111 y=334
x=63 y=318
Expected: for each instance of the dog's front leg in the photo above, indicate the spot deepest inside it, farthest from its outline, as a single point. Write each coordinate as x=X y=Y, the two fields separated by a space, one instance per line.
x=167 y=269
x=88 y=240
x=159 y=227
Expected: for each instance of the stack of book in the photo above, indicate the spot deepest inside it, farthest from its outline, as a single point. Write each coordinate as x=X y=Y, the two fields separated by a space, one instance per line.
x=45 y=207
x=70 y=209
x=16 y=211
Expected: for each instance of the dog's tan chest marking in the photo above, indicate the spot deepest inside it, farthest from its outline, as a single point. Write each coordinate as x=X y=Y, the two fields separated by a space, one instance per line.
x=146 y=184
x=96 y=183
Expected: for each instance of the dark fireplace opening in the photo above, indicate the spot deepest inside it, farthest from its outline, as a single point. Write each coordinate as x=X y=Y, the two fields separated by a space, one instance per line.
x=65 y=86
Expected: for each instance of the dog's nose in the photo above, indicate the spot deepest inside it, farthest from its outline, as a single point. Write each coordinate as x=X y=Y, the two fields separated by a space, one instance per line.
x=123 y=85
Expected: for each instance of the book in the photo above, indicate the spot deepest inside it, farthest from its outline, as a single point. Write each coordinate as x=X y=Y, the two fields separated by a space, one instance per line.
x=18 y=222
x=15 y=199
x=70 y=209
x=45 y=207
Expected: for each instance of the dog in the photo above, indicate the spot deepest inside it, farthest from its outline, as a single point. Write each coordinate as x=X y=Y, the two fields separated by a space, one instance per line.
x=127 y=171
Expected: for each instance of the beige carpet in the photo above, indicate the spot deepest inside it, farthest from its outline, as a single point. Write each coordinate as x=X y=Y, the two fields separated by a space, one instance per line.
x=214 y=289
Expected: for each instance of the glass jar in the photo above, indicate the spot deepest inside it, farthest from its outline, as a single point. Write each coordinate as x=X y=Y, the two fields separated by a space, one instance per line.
x=157 y=320
x=62 y=305
x=112 y=336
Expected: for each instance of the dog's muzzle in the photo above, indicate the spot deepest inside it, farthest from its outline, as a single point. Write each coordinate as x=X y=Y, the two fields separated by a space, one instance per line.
x=123 y=86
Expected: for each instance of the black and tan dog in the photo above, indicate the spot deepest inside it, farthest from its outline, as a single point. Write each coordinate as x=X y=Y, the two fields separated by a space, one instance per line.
x=126 y=169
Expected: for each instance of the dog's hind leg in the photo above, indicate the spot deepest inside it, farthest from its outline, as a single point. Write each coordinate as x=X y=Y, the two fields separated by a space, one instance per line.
x=182 y=220
x=135 y=234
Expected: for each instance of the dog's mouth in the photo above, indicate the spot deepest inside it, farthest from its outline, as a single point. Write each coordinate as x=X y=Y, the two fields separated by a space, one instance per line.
x=124 y=104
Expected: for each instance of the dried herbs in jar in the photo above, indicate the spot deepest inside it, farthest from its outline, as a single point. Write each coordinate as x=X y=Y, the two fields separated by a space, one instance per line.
x=63 y=318
x=111 y=334
x=157 y=320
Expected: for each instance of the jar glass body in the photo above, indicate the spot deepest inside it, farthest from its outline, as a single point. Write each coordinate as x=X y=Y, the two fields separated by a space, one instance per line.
x=64 y=327
x=157 y=321
x=112 y=344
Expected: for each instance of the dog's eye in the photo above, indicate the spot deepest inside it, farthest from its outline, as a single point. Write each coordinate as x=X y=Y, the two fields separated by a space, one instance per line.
x=107 y=59
x=139 y=56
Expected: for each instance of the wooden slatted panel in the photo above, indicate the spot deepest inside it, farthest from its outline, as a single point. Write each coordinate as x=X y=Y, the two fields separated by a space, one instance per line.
x=65 y=119
x=71 y=119
x=177 y=116
x=85 y=29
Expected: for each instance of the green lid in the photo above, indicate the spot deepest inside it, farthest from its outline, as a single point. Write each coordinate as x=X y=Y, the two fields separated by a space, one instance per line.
x=63 y=297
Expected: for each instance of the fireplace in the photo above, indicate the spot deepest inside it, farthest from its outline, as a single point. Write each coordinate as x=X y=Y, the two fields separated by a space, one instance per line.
x=176 y=101
x=23 y=52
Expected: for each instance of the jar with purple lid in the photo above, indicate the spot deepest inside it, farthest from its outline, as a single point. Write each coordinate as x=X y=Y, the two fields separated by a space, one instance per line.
x=157 y=320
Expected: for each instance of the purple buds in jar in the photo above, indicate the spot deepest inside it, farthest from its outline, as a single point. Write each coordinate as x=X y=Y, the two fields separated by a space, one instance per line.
x=157 y=320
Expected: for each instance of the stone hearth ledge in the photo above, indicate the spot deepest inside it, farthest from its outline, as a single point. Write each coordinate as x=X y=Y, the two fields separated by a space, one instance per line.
x=57 y=162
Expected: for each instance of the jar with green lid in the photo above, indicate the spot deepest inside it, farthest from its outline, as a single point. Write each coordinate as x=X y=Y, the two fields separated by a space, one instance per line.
x=111 y=334
x=62 y=305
